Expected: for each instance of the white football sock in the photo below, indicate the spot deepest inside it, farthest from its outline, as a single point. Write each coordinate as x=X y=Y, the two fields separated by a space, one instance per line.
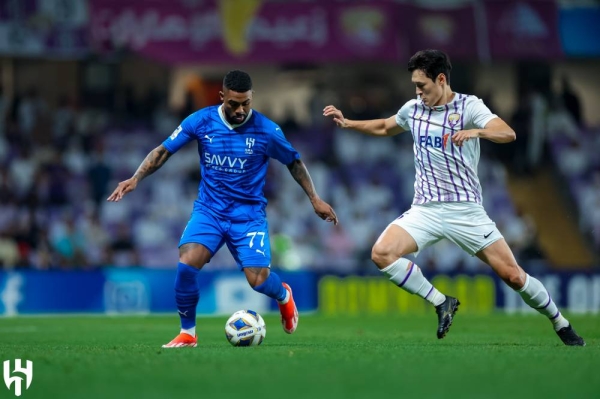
x=189 y=331
x=406 y=275
x=536 y=295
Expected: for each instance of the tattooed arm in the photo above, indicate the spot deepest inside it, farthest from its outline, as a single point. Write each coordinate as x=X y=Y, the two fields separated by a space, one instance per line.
x=153 y=161
x=300 y=173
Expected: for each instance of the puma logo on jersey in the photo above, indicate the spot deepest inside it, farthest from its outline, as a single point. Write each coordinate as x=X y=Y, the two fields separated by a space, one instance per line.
x=261 y=252
x=210 y=139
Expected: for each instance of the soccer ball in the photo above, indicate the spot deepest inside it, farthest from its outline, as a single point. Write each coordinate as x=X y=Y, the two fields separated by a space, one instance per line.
x=245 y=328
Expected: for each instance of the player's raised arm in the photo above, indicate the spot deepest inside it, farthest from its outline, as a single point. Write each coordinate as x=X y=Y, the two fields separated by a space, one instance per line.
x=300 y=173
x=153 y=161
x=373 y=127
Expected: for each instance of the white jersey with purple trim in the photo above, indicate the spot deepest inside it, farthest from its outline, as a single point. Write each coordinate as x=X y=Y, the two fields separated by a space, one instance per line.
x=444 y=171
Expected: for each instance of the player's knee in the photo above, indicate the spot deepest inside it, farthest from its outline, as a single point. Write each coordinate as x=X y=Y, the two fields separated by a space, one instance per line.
x=194 y=255
x=383 y=255
x=256 y=276
x=514 y=278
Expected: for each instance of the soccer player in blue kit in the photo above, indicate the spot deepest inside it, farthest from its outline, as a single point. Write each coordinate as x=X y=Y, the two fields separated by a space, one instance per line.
x=234 y=144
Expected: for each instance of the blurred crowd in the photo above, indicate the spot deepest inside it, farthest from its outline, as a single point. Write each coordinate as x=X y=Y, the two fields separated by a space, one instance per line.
x=577 y=160
x=60 y=163
x=555 y=134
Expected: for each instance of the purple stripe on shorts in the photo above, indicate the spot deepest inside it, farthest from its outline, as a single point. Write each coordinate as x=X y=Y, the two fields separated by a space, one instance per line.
x=555 y=316
x=546 y=305
x=426 y=296
x=408 y=275
x=445 y=156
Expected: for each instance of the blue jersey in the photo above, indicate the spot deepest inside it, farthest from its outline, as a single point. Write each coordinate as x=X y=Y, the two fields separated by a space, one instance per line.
x=233 y=159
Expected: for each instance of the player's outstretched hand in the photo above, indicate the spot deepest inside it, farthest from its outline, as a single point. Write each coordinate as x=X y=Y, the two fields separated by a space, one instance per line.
x=325 y=211
x=460 y=137
x=123 y=188
x=337 y=115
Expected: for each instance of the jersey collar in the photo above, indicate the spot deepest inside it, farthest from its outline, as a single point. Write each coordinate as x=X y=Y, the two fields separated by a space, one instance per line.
x=229 y=125
x=440 y=108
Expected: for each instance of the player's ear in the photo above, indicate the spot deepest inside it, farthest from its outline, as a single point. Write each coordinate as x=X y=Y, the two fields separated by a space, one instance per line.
x=222 y=96
x=441 y=79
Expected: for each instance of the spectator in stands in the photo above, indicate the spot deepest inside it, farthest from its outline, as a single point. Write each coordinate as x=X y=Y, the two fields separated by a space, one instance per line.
x=123 y=252
x=560 y=122
x=31 y=111
x=9 y=252
x=96 y=239
x=3 y=116
x=538 y=130
x=99 y=176
x=571 y=101
x=573 y=160
x=22 y=170
x=63 y=122
x=68 y=243
x=590 y=208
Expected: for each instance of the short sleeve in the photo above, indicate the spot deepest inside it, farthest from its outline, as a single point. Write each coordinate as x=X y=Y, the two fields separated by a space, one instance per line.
x=480 y=114
x=402 y=117
x=182 y=135
x=281 y=149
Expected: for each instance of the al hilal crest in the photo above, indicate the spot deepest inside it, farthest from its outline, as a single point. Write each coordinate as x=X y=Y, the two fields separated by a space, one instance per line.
x=21 y=371
x=453 y=119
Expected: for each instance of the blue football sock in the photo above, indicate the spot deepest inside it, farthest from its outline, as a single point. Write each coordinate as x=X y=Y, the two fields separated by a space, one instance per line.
x=272 y=287
x=187 y=294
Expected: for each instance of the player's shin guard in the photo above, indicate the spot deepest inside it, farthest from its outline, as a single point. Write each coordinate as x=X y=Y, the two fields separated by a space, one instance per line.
x=272 y=287
x=408 y=276
x=187 y=295
x=536 y=295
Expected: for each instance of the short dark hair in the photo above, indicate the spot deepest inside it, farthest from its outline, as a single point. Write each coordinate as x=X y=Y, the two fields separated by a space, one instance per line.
x=237 y=80
x=432 y=63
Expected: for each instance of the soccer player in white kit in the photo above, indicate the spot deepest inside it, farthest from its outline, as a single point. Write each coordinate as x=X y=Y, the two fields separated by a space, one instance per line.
x=446 y=127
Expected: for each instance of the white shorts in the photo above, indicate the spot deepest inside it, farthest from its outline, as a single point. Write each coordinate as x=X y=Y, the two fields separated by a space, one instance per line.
x=464 y=223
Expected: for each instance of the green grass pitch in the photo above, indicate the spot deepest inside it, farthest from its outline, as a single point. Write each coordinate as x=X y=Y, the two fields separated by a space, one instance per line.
x=497 y=356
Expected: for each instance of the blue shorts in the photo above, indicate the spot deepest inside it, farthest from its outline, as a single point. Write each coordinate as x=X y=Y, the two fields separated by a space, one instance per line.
x=248 y=241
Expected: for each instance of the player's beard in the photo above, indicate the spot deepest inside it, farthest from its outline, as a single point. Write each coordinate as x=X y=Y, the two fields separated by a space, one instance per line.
x=236 y=119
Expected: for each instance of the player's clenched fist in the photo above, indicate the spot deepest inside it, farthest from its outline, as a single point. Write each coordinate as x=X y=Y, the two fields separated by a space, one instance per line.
x=123 y=188
x=337 y=115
